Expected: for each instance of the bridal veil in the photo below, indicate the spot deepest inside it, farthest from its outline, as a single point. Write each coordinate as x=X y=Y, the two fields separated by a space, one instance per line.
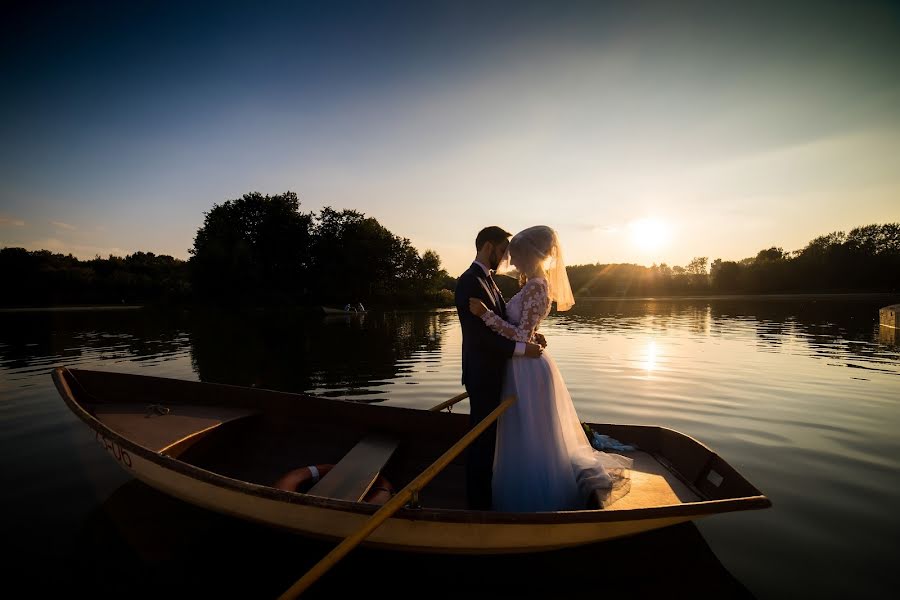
x=540 y=246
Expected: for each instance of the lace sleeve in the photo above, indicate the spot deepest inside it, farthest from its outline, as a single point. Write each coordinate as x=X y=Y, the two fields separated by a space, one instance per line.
x=535 y=302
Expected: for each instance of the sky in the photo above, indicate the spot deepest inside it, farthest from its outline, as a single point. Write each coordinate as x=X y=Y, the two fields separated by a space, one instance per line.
x=641 y=131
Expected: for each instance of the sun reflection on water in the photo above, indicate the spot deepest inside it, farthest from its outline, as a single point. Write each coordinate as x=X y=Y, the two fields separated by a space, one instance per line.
x=649 y=359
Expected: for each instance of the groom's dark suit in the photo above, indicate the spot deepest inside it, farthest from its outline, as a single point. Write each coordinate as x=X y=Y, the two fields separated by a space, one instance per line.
x=484 y=356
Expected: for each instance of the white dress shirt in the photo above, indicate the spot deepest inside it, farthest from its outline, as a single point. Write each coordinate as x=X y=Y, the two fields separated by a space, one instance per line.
x=520 y=346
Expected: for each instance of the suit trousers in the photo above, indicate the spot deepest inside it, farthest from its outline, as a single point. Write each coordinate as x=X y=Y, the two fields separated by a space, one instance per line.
x=483 y=399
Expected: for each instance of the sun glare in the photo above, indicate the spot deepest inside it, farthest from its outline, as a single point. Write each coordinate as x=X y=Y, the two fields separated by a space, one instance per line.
x=648 y=361
x=649 y=234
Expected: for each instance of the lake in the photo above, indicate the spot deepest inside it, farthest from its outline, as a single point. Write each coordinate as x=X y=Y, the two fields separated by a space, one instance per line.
x=800 y=394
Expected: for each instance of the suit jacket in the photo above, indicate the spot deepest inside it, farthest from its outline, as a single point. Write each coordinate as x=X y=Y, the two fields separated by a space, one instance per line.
x=484 y=352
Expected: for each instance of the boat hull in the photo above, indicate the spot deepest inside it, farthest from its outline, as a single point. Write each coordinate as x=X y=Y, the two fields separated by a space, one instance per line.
x=407 y=534
x=681 y=480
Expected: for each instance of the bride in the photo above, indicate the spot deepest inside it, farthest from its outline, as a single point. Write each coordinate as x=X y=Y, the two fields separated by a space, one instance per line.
x=543 y=460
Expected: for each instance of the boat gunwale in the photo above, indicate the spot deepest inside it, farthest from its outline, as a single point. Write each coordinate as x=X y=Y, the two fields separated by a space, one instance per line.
x=445 y=515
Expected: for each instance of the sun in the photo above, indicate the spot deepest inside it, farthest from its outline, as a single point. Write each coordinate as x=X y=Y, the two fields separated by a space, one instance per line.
x=649 y=234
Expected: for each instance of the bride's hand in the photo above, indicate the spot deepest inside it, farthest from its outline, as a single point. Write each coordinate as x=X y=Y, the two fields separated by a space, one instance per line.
x=477 y=307
x=540 y=340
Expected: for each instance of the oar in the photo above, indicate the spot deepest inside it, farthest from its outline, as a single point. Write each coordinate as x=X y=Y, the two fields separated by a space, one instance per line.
x=449 y=402
x=393 y=505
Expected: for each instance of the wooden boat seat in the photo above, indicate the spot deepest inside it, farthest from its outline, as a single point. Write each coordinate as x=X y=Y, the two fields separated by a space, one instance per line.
x=353 y=476
x=166 y=428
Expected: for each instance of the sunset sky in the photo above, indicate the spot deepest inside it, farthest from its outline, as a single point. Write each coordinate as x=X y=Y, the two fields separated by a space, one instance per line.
x=642 y=132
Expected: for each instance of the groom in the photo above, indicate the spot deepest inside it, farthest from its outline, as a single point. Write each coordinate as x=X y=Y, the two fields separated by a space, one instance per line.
x=484 y=356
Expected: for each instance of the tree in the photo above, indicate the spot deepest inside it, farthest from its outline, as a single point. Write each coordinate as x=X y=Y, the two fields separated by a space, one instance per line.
x=725 y=275
x=355 y=258
x=697 y=266
x=770 y=255
x=430 y=271
x=253 y=247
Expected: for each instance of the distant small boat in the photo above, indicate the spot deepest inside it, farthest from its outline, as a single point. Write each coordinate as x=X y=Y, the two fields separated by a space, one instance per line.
x=340 y=311
x=223 y=447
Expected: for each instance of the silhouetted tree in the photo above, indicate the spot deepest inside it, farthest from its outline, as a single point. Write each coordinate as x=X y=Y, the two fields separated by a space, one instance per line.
x=697 y=266
x=255 y=248
x=355 y=258
x=725 y=275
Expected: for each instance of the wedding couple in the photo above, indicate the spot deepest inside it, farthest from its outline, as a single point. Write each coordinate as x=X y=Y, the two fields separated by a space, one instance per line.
x=537 y=456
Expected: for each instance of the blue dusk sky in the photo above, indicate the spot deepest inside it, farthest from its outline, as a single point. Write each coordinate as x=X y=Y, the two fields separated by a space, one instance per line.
x=642 y=131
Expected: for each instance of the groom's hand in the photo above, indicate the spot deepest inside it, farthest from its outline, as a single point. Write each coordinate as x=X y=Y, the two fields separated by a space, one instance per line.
x=477 y=307
x=540 y=340
x=533 y=350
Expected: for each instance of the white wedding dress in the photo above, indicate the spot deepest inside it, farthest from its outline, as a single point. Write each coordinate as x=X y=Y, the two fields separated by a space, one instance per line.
x=543 y=460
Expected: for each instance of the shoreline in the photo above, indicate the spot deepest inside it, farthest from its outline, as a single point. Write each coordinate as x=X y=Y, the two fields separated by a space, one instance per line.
x=791 y=296
x=99 y=307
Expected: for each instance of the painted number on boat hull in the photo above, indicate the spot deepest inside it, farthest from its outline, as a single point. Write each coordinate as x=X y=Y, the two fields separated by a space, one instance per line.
x=119 y=453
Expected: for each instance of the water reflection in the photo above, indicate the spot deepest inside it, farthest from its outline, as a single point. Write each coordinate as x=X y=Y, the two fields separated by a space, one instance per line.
x=649 y=359
x=799 y=394
x=32 y=341
x=141 y=535
x=342 y=356
x=828 y=326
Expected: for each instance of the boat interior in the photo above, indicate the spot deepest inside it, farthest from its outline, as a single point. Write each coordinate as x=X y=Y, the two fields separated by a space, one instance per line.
x=257 y=436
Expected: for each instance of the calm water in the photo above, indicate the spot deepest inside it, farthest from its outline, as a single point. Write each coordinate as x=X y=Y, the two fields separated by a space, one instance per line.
x=801 y=395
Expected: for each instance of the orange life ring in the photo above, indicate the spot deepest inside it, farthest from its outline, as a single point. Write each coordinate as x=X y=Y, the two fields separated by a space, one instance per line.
x=380 y=492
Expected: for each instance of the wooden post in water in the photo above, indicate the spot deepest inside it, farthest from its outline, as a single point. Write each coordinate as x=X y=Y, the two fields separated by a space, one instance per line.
x=889 y=316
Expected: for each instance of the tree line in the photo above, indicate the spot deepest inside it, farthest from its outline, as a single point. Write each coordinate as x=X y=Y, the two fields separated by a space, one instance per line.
x=867 y=259
x=44 y=278
x=263 y=250
x=252 y=250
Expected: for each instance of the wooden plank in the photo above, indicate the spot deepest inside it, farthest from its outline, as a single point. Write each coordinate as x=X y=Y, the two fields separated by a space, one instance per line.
x=159 y=429
x=384 y=513
x=652 y=484
x=354 y=474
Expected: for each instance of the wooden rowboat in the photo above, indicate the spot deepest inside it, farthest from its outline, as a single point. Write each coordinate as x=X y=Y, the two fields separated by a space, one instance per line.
x=222 y=447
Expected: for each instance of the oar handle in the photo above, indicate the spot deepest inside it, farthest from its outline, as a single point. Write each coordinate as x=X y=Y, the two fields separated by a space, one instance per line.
x=394 y=504
x=450 y=402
